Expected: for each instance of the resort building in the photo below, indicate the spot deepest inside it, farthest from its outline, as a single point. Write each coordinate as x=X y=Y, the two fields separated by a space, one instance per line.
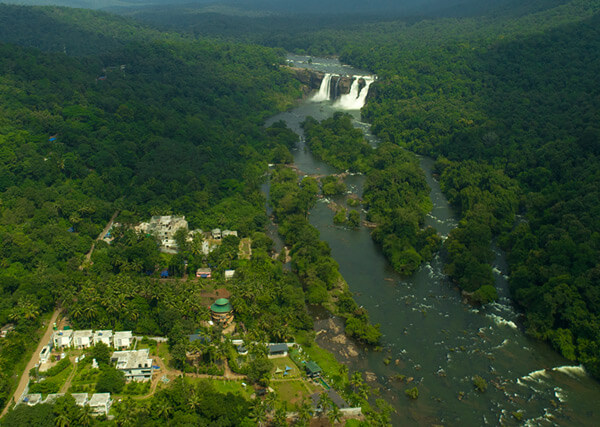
x=81 y=399
x=135 y=364
x=32 y=399
x=204 y=273
x=226 y=233
x=100 y=403
x=104 y=337
x=277 y=350
x=164 y=229
x=122 y=339
x=62 y=339
x=222 y=312
x=83 y=339
x=312 y=369
x=45 y=353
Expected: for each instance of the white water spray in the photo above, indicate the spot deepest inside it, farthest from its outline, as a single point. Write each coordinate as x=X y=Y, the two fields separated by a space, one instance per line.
x=355 y=100
x=324 y=93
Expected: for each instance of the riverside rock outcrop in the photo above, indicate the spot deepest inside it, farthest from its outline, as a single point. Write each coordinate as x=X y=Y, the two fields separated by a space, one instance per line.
x=311 y=80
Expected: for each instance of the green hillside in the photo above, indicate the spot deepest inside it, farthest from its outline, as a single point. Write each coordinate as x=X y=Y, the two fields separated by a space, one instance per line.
x=144 y=124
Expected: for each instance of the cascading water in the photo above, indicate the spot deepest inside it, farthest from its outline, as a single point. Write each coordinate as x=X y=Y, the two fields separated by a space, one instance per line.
x=324 y=89
x=355 y=100
x=434 y=339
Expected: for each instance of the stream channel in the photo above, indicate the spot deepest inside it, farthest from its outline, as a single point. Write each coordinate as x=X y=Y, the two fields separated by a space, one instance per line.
x=429 y=333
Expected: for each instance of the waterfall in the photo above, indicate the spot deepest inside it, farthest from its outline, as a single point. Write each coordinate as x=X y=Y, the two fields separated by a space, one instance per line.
x=355 y=100
x=324 y=89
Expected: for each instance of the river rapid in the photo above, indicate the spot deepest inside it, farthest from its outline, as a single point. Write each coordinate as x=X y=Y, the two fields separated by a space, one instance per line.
x=432 y=337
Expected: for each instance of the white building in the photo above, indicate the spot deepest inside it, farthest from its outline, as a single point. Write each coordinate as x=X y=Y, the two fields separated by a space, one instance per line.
x=53 y=397
x=62 y=339
x=83 y=339
x=164 y=229
x=229 y=274
x=122 y=339
x=103 y=336
x=45 y=353
x=33 y=399
x=229 y=233
x=135 y=364
x=100 y=403
x=81 y=399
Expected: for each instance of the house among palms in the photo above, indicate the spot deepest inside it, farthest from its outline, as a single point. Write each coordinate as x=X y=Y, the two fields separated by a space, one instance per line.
x=100 y=403
x=164 y=229
x=62 y=339
x=6 y=329
x=135 y=364
x=122 y=339
x=104 y=337
x=80 y=398
x=83 y=339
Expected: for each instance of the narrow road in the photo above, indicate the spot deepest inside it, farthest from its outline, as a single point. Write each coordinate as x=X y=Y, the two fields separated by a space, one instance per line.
x=88 y=256
x=34 y=359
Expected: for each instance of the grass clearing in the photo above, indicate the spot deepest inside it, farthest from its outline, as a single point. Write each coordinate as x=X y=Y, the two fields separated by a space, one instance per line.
x=292 y=391
x=225 y=386
x=311 y=351
x=283 y=363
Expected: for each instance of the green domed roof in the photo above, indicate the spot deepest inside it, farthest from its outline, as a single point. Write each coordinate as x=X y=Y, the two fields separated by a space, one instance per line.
x=221 y=305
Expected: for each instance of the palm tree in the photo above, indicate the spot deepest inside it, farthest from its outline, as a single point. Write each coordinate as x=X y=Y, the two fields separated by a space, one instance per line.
x=85 y=416
x=163 y=408
x=258 y=412
x=304 y=413
x=270 y=401
x=76 y=312
x=334 y=414
x=91 y=311
x=356 y=380
x=194 y=402
x=280 y=418
x=62 y=420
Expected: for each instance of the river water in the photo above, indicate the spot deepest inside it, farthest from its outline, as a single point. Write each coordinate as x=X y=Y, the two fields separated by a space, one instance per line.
x=430 y=335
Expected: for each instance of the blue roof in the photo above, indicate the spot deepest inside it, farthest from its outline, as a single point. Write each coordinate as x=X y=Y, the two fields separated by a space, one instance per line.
x=164 y=273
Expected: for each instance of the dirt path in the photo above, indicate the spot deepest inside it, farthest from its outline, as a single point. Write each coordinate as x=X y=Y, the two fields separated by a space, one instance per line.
x=33 y=361
x=67 y=383
x=88 y=256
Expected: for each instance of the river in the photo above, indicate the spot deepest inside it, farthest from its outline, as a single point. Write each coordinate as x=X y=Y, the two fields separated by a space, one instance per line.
x=429 y=333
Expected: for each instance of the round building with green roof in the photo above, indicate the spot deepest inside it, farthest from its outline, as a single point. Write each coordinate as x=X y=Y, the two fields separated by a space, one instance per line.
x=221 y=311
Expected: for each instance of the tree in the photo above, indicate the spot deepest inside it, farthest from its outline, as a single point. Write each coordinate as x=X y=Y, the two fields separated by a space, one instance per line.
x=354 y=218
x=413 y=393
x=334 y=414
x=110 y=380
x=259 y=369
x=101 y=353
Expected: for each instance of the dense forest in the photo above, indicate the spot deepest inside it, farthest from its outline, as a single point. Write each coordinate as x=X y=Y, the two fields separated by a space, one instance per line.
x=395 y=194
x=506 y=95
x=102 y=115
x=311 y=258
x=513 y=110
x=145 y=125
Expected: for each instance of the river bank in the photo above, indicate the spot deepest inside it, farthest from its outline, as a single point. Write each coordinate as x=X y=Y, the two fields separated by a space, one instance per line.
x=436 y=339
